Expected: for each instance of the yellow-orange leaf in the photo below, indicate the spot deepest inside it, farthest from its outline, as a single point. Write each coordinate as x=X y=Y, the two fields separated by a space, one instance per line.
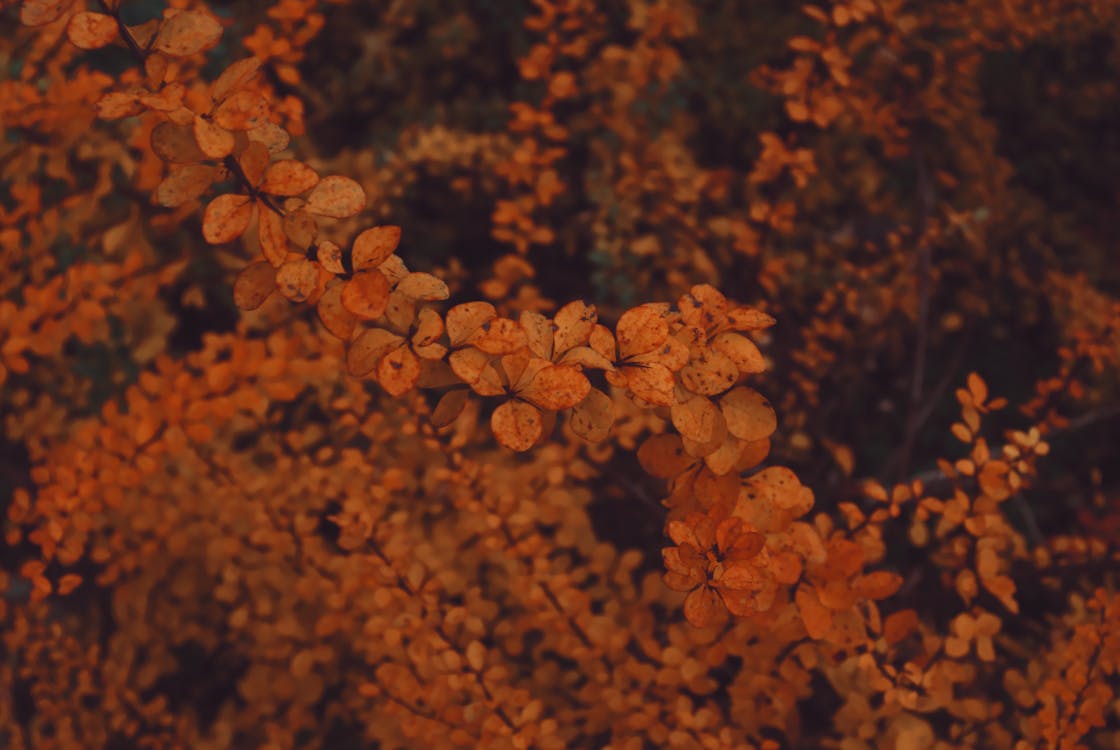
x=817 y=617
x=593 y=417
x=368 y=348
x=288 y=177
x=187 y=33
x=710 y=374
x=398 y=371
x=749 y=415
x=366 y=294
x=298 y=279
x=270 y=233
x=878 y=584
x=88 y=30
x=374 y=245
x=185 y=184
x=640 y=330
x=334 y=315
x=450 y=406
x=516 y=425
x=337 y=197
x=176 y=143
x=557 y=387
x=226 y=218
x=213 y=140
x=423 y=287
x=254 y=285
x=573 y=324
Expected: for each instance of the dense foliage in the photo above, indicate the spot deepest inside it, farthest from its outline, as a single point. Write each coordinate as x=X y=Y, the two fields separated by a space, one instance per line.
x=626 y=374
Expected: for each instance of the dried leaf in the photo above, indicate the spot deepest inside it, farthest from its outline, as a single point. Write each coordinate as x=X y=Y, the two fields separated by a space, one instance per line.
x=497 y=336
x=740 y=350
x=698 y=419
x=270 y=233
x=374 y=245
x=641 y=330
x=288 y=177
x=573 y=325
x=709 y=374
x=368 y=348
x=516 y=425
x=878 y=584
x=749 y=415
x=243 y=110
x=329 y=256
x=398 y=371
x=592 y=418
x=557 y=387
x=703 y=608
x=450 y=406
x=213 y=140
x=334 y=315
x=663 y=456
x=366 y=294
x=185 y=184
x=88 y=30
x=423 y=287
x=337 y=197
x=298 y=280
x=255 y=283
x=42 y=12
x=817 y=617
x=176 y=143
x=226 y=218
x=234 y=77
x=187 y=33
x=464 y=320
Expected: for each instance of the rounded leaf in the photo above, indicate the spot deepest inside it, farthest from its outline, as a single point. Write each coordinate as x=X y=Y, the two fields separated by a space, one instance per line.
x=450 y=406
x=398 y=371
x=368 y=348
x=298 y=279
x=336 y=197
x=255 y=283
x=463 y=320
x=187 y=33
x=516 y=425
x=878 y=584
x=213 y=140
x=88 y=30
x=740 y=350
x=235 y=77
x=373 y=246
x=573 y=324
x=557 y=387
x=697 y=419
x=335 y=317
x=329 y=256
x=663 y=456
x=749 y=415
x=423 y=287
x=366 y=294
x=709 y=374
x=176 y=143
x=243 y=110
x=593 y=417
x=226 y=218
x=641 y=330
x=42 y=12
x=270 y=233
x=703 y=607
x=816 y=616
x=288 y=177
x=185 y=184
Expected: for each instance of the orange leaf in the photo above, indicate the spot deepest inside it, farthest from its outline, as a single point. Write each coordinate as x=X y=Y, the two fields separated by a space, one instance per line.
x=213 y=140
x=573 y=324
x=337 y=197
x=176 y=143
x=187 y=33
x=703 y=608
x=298 y=279
x=698 y=419
x=42 y=12
x=366 y=294
x=242 y=110
x=740 y=350
x=878 y=584
x=288 y=177
x=663 y=456
x=450 y=406
x=329 y=256
x=368 y=348
x=557 y=387
x=817 y=617
x=255 y=283
x=91 y=30
x=226 y=218
x=398 y=371
x=593 y=417
x=185 y=184
x=710 y=374
x=334 y=315
x=234 y=77
x=423 y=287
x=899 y=625
x=516 y=425
x=270 y=233
x=497 y=336
x=749 y=415
x=374 y=245
x=641 y=330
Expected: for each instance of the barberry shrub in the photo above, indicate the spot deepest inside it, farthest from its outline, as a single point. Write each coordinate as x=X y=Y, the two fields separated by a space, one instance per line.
x=566 y=374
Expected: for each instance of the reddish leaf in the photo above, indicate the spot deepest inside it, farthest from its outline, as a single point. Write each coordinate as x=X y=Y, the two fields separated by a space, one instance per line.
x=374 y=245
x=91 y=30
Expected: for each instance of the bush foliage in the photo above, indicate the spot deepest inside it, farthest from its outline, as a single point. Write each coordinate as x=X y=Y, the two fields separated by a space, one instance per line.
x=628 y=374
